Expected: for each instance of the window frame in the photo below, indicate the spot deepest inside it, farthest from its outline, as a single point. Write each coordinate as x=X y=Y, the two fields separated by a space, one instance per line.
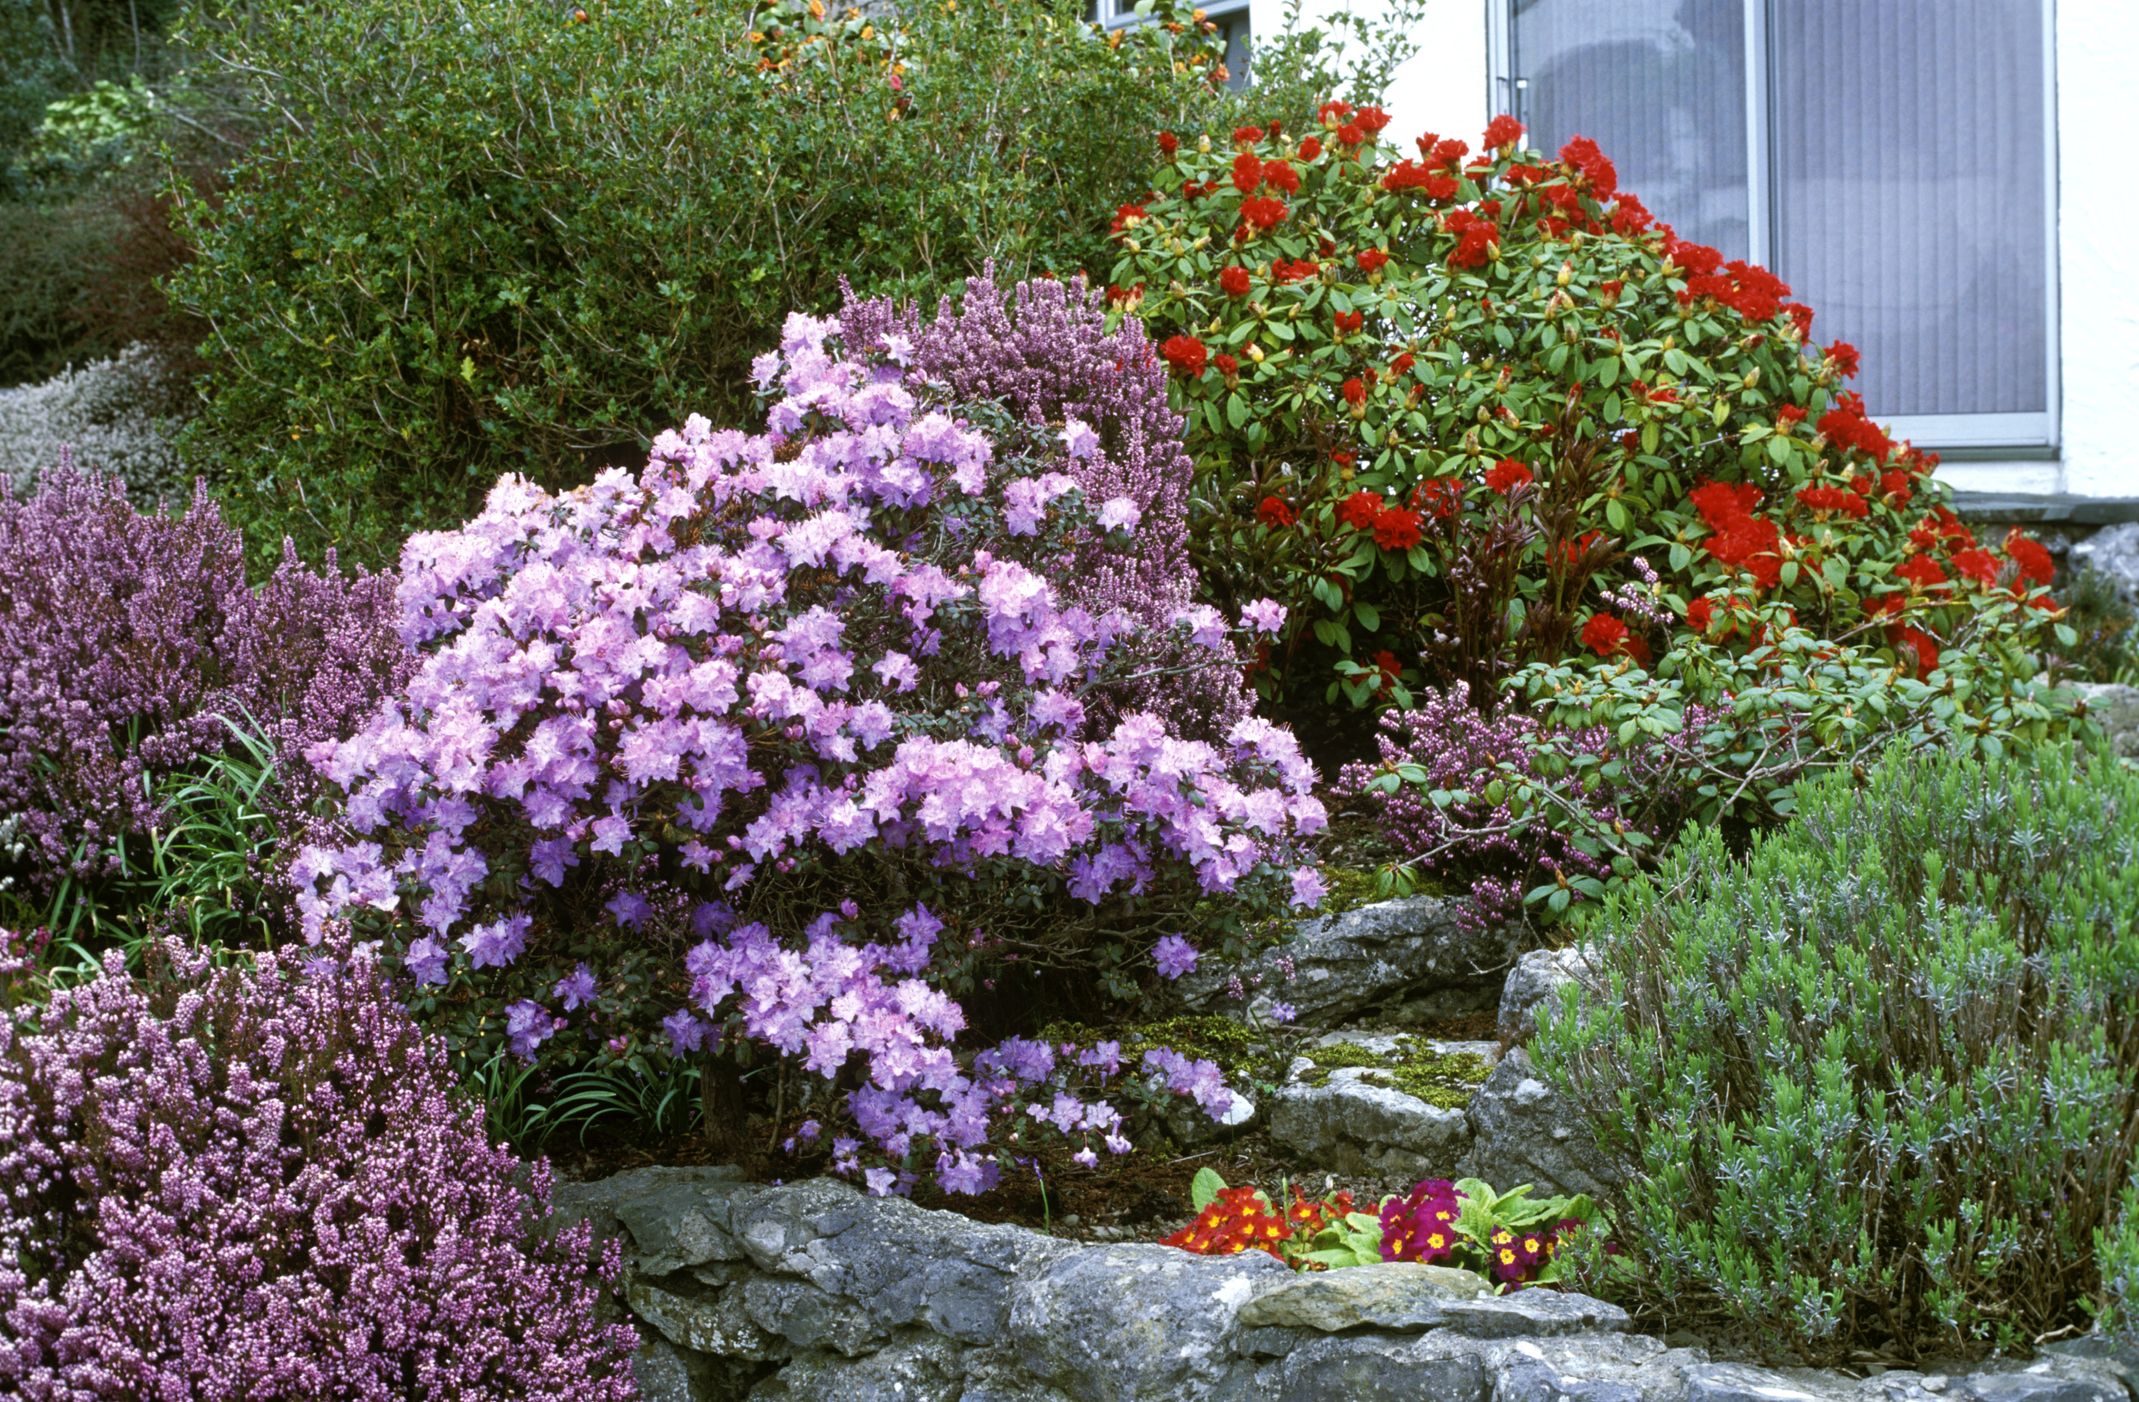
x=1962 y=437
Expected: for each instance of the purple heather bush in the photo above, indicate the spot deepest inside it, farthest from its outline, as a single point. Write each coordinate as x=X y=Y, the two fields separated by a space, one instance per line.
x=257 y=1183
x=129 y=640
x=814 y=742
x=1443 y=794
x=1044 y=352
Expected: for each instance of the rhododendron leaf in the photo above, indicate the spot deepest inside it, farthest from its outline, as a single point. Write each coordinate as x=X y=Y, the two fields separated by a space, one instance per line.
x=1370 y=617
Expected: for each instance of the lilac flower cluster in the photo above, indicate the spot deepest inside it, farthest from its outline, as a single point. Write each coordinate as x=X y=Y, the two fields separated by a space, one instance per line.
x=729 y=702
x=127 y=639
x=225 y=1184
x=1044 y=351
x=1455 y=747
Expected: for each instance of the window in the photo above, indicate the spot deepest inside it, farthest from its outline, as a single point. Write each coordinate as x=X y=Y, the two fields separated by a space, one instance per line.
x=1891 y=161
x=1231 y=17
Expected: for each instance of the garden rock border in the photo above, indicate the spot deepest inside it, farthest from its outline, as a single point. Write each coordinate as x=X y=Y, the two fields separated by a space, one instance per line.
x=1417 y=955
x=811 y=1290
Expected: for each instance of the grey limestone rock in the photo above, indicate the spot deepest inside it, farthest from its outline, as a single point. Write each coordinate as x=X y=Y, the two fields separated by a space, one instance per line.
x=2113 y=551
x=1394 y=1295
x=1524 y=1131
x=1114 y=1323
x=1369 y=958
x=1535 y=982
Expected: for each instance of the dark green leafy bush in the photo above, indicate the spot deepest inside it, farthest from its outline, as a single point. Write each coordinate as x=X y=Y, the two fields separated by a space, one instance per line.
x=476 y=239
x=1876 y=1083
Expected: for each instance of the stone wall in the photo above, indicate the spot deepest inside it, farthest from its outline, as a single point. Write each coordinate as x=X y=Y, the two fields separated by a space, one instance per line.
x=811 y=1290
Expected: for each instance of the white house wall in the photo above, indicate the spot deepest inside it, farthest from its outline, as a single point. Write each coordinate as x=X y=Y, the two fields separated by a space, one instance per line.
x=1445 y=88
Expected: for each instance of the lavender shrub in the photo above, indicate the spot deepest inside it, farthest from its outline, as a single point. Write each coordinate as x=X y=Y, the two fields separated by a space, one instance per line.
x=129 y=640
x=257 y=1183
x=791 y=737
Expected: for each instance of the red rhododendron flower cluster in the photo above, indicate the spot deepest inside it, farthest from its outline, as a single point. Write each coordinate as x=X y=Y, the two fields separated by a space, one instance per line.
x=1476 y=238
x=1741 y=539
x=1261 y=213
x=1846 y=426
x=1834 y=499
x=1186 y=354
x=1508 y=474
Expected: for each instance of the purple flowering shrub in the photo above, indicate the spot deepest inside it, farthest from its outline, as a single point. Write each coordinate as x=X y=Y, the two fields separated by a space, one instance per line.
x=129 y=641
x=232 y=1183
x=813 y=743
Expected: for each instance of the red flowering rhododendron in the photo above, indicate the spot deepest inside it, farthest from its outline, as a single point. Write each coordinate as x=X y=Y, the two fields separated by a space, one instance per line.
x=1186 y=354
x=1508 y=474
x=1515 y=319
x=1275 y=513
x=1396 y=529
x=1234 y=281
x=1262 y=213
x=1362 y=509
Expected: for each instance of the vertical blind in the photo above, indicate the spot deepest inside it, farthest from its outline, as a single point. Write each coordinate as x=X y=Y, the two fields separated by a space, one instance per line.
x=1905 y=179
x=1660 y=85
x=1909 y=186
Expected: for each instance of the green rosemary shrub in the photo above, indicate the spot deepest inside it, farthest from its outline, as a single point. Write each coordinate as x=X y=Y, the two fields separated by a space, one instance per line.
x=1876 y=1085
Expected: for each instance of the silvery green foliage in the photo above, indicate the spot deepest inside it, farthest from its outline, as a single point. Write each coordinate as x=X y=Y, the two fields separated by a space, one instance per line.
x=117 y=418
x=2116 y=1251
x=1873 y=1082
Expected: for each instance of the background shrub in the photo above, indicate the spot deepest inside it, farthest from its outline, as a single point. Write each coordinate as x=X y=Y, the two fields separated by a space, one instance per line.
x=1445 y=408
x=1875 y=1082
x=111 y=418
x=260 y=1183
x=567 y=235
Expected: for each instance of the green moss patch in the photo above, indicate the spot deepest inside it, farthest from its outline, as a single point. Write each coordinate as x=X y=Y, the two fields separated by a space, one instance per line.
x=1416 y=1067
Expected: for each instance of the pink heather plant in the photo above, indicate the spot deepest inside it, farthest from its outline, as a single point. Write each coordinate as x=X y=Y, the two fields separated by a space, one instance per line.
x=226 y=1184
x=126 y=640
x=1445 y=744
x=793 y=736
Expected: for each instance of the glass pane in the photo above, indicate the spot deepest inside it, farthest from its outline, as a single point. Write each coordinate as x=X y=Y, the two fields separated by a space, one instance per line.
x=1660 y=86
x=1909 y=190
